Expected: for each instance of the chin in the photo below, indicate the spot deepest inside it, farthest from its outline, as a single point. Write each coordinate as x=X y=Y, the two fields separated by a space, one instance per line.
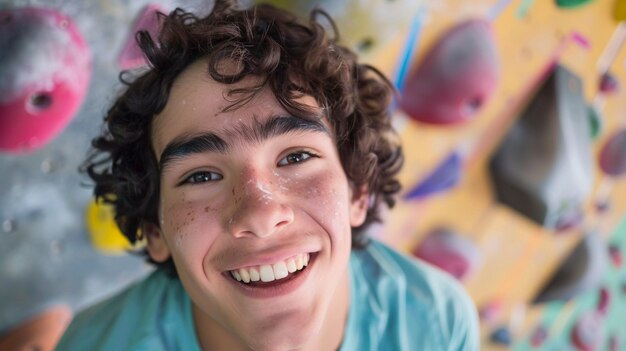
x=290 y=337
x=282 y=344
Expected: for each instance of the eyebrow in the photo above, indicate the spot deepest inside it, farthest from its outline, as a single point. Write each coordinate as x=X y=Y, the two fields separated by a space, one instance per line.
x=186 y=145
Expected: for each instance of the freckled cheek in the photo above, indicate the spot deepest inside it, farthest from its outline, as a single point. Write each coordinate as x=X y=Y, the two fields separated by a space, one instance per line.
x=188 y=226
x=324 y=198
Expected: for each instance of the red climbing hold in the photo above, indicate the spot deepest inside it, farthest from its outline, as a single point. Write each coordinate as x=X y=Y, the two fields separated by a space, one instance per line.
x=456 y=77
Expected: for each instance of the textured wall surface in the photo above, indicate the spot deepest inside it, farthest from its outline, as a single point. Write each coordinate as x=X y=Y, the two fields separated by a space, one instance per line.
x=46 y=256
x=45 y=253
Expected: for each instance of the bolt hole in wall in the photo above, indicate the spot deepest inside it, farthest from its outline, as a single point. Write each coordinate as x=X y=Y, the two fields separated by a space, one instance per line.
x=39 y=101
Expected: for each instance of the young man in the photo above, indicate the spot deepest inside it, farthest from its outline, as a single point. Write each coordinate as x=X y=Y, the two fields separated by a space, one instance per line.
x=251 y=157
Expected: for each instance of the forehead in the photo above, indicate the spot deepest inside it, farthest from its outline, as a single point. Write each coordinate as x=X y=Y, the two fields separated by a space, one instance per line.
x=196 y=103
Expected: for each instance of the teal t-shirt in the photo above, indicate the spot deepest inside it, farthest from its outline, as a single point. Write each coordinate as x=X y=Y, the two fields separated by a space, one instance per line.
x=396 y=303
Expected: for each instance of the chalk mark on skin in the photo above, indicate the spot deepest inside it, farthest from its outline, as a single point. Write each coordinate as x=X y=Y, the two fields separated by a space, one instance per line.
x=267 y=194
x=282 y=182
x=179 y=238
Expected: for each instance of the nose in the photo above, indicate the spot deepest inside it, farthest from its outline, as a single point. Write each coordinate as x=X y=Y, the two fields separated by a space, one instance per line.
x=258 y=209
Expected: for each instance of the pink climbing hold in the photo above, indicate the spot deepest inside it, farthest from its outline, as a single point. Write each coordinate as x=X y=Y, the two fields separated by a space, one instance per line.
x=492 y=311
x=613 y=155
x=131 y=55
x=450 y=252
x=604 y=300
x=538 y=336
x=588 y=332
x=45 y=68
x=456 y=77
x=617 y=258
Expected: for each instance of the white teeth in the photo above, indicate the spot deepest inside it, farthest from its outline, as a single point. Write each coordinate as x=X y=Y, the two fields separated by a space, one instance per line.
x=254 y=275
x=299 y=264
x=291 y=265
x=268 y=273
x=245 y=276
x=280 y=270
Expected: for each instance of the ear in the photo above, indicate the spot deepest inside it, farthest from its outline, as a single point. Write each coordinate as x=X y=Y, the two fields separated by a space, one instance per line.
x=358 y=207
x=157 y=247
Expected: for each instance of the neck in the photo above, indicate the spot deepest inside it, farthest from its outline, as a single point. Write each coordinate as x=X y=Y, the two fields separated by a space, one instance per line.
x=213 y=336
x=334 y=327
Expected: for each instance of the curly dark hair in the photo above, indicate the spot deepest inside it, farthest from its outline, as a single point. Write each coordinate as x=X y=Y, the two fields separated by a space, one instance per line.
x=294 y=58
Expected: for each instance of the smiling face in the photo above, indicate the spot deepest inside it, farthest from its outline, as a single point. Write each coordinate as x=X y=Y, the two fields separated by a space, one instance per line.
x=256 y=212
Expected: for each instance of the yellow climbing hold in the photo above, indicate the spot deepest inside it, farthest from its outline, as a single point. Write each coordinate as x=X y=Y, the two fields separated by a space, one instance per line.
x=103 y=231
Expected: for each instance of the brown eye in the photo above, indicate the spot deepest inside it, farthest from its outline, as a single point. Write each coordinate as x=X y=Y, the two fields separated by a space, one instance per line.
x=202 y=177
x=295 y=157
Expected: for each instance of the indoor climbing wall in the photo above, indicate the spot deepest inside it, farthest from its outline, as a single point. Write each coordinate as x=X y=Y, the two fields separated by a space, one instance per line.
x=59 y=63
x=512 y=115
x=513 y=179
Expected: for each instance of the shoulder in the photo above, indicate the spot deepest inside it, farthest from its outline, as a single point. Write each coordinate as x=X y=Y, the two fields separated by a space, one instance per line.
x=430 y=306
x=126 y=321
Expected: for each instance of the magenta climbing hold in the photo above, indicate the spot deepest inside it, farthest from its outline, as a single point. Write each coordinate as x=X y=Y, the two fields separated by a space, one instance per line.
x=455 y=78
x=588 y=332
x=604 y=300
x=613 y=155
x=449 y=251
x=45 y=68
x=615 y=253
x=608 y=84
x=492 y=311
x=538 y=336
x=131 y=55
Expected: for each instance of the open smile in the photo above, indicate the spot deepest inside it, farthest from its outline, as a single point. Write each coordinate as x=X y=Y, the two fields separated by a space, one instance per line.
x=273 y=279
x=271 y=272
